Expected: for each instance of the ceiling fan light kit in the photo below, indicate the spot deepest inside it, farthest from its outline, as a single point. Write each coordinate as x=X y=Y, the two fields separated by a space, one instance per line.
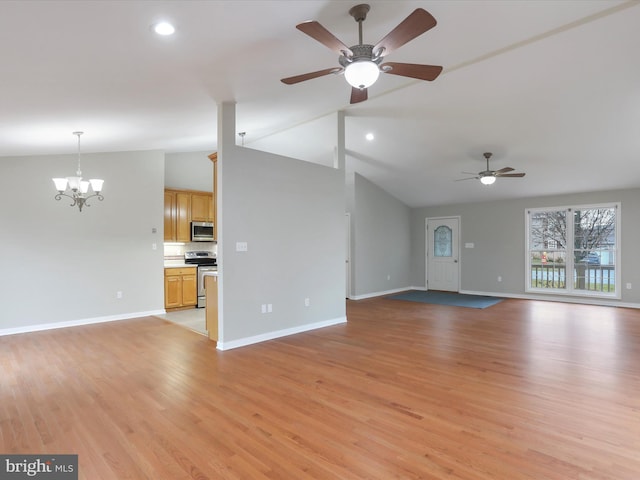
x=361 y=74
x=488 y=180
x=488 y=177
x=361 y=64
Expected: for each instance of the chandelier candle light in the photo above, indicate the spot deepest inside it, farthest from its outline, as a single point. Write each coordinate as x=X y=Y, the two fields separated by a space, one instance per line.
x=78 y=188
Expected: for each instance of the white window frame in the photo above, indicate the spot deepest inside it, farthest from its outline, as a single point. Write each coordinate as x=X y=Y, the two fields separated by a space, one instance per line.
x=569 y=289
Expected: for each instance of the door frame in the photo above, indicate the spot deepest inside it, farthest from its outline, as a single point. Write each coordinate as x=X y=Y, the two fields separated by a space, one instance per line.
x=426 y=245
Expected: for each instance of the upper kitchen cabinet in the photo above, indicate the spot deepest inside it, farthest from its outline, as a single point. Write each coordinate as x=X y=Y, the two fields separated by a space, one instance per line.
x=202 y=207
x=181 y=207
x=170 y=216
x=214 y=158
x=183 y=217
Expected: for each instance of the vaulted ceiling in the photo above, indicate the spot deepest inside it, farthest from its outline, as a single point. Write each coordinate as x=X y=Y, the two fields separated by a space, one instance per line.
x=551 y=88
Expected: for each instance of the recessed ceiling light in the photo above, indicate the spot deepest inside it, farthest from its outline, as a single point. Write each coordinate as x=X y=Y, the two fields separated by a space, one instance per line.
x=164 y=28
x=369 y=136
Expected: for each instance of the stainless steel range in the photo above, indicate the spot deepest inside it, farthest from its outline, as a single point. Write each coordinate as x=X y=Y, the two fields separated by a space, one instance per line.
x=206 y=262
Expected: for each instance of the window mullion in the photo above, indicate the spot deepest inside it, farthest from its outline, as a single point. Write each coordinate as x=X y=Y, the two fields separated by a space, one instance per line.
x=570 y=263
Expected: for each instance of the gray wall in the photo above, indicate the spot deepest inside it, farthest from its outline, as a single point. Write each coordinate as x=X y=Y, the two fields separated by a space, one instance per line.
x=60 y=265
x=291 y=214
x=381 y=226
x=189 y=170
x=498 y=231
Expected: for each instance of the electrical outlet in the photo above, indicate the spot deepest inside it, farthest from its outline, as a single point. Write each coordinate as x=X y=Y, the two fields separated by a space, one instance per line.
x=307 y=302
x=499 y=278
x=388 y=277
x=263 y=308
x=269 y=308
x=628 y=286
x=118 y=294
x=154 y=246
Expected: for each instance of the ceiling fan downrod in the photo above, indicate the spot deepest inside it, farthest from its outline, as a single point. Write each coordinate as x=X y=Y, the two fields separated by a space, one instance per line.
x=487 y=155
x=359 y=13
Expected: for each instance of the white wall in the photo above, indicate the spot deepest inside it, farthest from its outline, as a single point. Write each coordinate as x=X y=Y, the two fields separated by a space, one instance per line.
x=291 y=215
x=381 y=241
x=189 y=170
x=498 y=231
x=60 y=265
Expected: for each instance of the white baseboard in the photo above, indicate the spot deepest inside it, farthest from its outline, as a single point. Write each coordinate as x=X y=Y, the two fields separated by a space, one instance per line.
x=243 y=342
x=554 y=298
x=381 y=294
x=75 y=323
x=524 y=296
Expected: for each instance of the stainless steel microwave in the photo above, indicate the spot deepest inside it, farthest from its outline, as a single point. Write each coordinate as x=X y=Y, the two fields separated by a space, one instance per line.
x=202 y=232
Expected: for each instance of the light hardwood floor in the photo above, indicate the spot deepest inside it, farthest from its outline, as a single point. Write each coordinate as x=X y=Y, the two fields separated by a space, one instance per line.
x=521 y=390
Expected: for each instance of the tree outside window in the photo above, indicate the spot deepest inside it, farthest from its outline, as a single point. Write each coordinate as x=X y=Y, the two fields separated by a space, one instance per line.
x=573 y=249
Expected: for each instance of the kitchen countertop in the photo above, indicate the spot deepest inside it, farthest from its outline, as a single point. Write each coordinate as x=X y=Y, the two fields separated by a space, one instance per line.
x=181 y=264
x=177 y=264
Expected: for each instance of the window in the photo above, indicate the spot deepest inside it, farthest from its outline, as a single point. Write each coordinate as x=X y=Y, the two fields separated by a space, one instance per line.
x=574 y=250
x=442 y=241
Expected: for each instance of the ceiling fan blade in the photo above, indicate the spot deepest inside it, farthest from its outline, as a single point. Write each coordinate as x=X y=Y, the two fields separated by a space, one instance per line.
x=324 y=36
x=413 y=70
x=414 y=25
x=470 y=178
x=513 y=175
x=358 y=95
x=504 y=170
x=309 y=76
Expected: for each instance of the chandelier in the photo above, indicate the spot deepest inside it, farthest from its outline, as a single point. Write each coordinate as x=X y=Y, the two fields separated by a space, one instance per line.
x=77 y=189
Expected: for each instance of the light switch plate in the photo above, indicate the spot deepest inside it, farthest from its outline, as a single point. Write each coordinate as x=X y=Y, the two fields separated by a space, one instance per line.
x=241 y=246
x=469 y=245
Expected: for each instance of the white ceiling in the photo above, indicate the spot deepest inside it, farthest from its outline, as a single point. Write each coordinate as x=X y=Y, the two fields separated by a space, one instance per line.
x=551 y=87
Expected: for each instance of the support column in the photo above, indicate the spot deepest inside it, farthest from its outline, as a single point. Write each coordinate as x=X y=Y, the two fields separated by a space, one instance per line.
x=226 y=146
x=339 y=159
x=226 y=126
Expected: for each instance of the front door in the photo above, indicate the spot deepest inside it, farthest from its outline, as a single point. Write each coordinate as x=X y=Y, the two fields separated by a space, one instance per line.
x=443 y=269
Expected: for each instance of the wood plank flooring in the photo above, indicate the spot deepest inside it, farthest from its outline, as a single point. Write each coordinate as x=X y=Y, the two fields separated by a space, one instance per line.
x=524 y=390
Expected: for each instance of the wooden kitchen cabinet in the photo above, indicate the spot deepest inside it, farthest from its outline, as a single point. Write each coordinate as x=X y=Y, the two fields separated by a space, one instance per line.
x=202 y=207
x=181 y=207
x=183 y=217
x=180 y=288
x=211 y=305
x=214 y=158
x=170 y=216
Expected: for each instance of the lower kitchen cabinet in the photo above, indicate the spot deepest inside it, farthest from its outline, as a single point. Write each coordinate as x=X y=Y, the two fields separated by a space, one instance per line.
x=180 y=287
x=211 y=305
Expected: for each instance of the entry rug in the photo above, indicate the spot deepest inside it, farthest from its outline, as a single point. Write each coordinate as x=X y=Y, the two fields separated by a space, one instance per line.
x=447 y=298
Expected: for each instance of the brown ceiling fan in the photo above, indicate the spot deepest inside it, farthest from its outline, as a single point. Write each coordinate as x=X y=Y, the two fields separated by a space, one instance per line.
x=487 y=177
x=362 y=63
